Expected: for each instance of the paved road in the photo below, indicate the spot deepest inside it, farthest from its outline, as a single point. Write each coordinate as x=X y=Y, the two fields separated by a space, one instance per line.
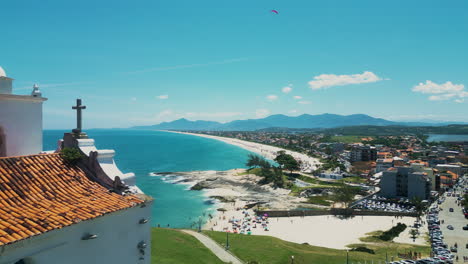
x=220 y=252
x=457 y=220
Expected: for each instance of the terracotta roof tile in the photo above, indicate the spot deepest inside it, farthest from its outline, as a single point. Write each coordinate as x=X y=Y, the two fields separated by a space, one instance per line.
x=39 y=193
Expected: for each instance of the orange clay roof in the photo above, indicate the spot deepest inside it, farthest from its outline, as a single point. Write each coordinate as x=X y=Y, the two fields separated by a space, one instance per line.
x=39 y=193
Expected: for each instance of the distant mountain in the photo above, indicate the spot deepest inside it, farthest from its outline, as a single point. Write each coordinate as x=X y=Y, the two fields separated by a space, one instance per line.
x=302 y=121
x=183 y=124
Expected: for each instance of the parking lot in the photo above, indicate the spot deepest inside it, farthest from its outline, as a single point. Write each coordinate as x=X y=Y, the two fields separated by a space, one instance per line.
x=457 y=220
x=378 y=203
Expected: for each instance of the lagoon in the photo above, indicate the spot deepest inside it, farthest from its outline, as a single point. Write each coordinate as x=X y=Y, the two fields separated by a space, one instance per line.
x=446 y=138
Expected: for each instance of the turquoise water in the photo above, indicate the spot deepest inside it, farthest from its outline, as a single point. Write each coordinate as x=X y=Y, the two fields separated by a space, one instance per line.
x=446 y=138
x=143 y=152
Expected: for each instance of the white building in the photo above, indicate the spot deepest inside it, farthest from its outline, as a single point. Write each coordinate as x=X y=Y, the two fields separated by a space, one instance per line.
x=20 y=120
x=331 y=175
x=383 y=164
x=420 y=167
x=55 y=211
x=405 y=182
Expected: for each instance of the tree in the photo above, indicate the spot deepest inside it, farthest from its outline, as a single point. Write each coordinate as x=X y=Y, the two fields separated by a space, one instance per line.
x=414 y=233
x=255 y=161
x=344 y=194
x=278 y=179
x=287 y=161
x=418 y=206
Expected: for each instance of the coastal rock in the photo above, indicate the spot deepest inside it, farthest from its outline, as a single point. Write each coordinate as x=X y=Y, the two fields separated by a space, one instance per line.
x=199 y=186
x=234 y=185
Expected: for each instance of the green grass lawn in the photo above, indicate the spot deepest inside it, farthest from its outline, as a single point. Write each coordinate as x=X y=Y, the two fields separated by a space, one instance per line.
x=354 y=179
x=320 y=200
x=265 y=249
x=173 y=246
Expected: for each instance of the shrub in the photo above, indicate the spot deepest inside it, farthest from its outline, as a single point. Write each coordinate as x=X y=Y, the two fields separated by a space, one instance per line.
x=364 y=249
x=71 y=155
x=393 y=232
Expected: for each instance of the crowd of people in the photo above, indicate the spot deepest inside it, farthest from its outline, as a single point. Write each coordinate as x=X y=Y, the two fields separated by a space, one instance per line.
x=245 y=224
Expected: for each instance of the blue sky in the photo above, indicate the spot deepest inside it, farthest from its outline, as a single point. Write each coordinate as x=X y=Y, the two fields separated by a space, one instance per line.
x=143 y=62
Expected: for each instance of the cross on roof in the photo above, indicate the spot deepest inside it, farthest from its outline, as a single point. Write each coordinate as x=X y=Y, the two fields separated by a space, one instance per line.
x=78 y=109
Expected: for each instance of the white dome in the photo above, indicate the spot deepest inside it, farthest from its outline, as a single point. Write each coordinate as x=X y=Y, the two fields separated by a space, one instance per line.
x=2 y=72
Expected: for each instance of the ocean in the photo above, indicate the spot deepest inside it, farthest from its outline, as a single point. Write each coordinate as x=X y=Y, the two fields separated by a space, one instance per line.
x=143 y=152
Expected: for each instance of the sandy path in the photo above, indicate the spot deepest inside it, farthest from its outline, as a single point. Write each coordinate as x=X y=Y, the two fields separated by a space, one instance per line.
x=220 y=252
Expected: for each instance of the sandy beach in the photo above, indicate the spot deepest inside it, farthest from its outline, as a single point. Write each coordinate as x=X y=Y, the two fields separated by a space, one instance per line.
x=308 y=163
x=325 y=231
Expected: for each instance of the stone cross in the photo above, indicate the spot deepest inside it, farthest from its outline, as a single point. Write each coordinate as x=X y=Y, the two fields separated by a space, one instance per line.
x=78 y=109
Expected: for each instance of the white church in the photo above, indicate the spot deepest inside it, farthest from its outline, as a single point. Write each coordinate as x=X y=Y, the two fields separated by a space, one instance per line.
x=55 y=210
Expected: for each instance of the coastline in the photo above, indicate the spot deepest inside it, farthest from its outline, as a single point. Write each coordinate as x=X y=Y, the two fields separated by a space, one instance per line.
x=309 y=164
x=235 y=189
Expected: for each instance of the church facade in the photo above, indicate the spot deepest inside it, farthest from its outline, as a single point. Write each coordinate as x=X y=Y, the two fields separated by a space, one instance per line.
x=57 y=210
x=20 y=119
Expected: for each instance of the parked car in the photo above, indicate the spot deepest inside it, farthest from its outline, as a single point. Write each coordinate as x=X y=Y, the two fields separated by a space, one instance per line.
x=451 y=210
x=450 y=227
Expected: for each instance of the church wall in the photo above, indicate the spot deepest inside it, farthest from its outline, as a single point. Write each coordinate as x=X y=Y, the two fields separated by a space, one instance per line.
x=119 y=234
x=21 y=121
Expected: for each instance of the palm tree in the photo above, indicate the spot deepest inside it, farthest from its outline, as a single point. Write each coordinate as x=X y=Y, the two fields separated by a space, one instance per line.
x=414 y=233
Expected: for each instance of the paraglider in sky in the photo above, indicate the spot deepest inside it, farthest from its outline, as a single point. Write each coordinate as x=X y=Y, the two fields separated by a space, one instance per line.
x=274 y=11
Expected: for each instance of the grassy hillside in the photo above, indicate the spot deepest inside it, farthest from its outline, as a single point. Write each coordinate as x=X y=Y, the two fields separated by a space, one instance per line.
x=265 y=249
x=172 y=246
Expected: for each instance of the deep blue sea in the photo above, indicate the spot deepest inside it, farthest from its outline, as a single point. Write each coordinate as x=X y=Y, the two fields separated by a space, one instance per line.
x=143 y=152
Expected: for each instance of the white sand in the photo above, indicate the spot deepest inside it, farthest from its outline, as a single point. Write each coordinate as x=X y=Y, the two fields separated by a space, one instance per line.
x=308 y=163
x=325 y=231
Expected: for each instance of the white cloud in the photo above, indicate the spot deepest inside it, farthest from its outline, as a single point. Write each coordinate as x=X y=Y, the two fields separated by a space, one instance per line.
x=304 y=102
x=260 y=113
x=163 y=97
x=272 y=97
x=287 y=89
x=297 y=97
x=329 y=80
x=292 y=111
x=442 y=92
x=133 y=99
x=433 y=88
x=441 y=97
